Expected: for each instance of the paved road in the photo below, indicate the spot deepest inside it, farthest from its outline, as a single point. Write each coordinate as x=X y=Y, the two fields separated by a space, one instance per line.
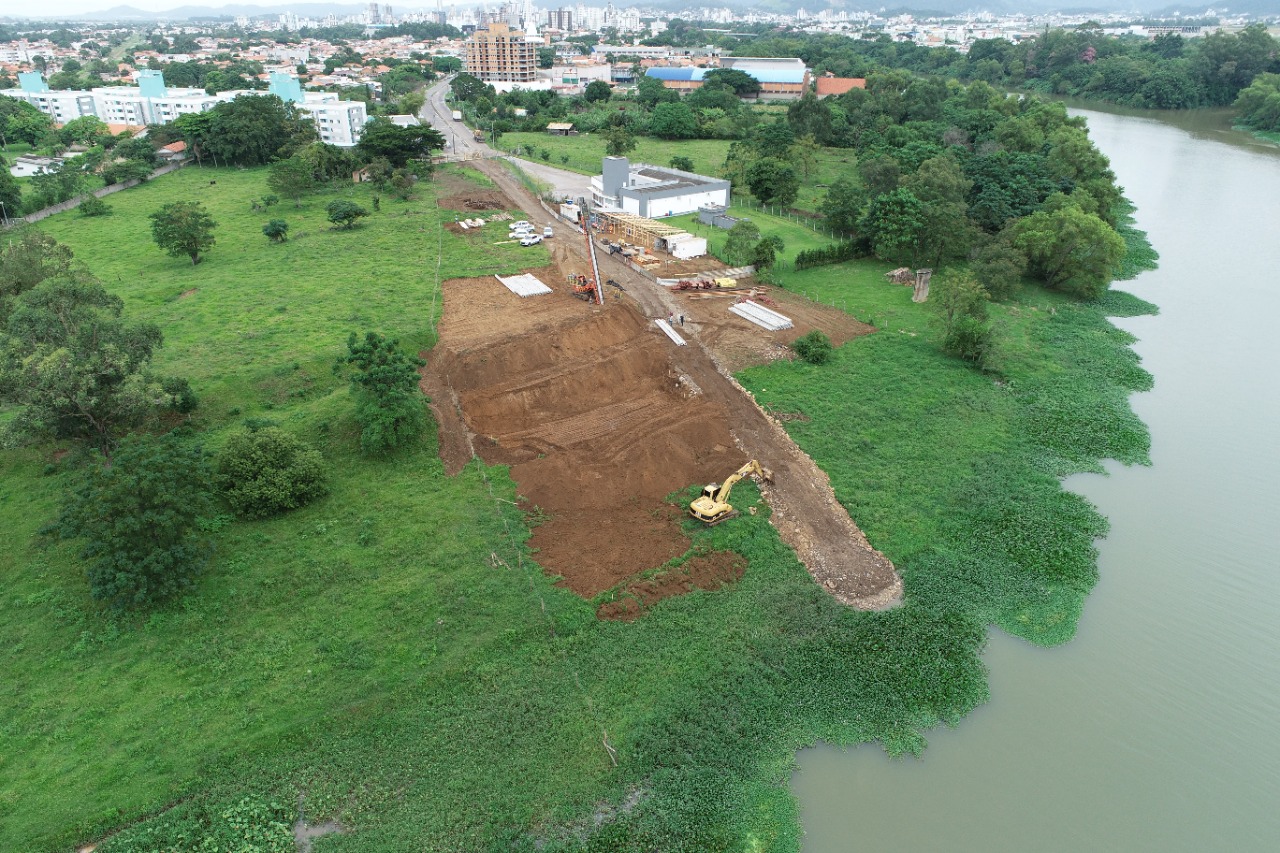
x=439 y=115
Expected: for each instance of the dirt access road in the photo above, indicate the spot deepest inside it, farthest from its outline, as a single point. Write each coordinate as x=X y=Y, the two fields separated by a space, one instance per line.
x=805 y=510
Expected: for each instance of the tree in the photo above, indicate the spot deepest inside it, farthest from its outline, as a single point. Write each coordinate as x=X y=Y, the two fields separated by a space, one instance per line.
x=85 y=130
x=673 y=121
x=183 y=228
x=10 y=195
x=292 y=178
x=139 y=519
x=344 y=213
x=251 y=130
x=844 y=205
x=764 y=255
x=774 y=139
x=684 y=164
x=742 y=83
x=74 y=367
x=618 y=141
x=21 y=122
x=277 y=230
x=266 y=471
x=814 y=347
x=384 y=380
x=25 y=262
x=1070 y=250
x=773 y=181
x=468 y=87
x=961 y=306
x=999 y=266
x=880 y=174
x=650 y=92
x=740 y=245
x=597 y=90
x=397 y=145
x=895 y=223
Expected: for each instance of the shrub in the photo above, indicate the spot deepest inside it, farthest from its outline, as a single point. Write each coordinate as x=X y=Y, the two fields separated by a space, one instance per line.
x=185 y=400
x=94 y=206
x=138 y=519
x=344 y=213
x=814 y=347
x=265 y=471
x=270 y=199
x=277 y=230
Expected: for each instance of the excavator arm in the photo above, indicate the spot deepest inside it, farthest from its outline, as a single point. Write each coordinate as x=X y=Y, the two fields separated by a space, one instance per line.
x=713 y=506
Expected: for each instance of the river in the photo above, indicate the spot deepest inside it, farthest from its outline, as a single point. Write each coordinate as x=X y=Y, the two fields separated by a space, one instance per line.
x=1155 y=728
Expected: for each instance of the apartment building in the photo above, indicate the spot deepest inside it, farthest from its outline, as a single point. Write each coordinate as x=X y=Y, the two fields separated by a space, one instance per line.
x=338 y=122
x=151 y=102
x=501 y=54
x=61 y=106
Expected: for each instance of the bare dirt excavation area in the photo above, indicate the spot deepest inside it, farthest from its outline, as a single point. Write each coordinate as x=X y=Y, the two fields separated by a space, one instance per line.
x=601 y=417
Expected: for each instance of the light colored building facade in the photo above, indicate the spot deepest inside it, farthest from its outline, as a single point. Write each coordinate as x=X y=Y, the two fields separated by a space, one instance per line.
x=60 y=105
x=654 y=191
x=151 y=102
x=501 y=54
x=338 y=122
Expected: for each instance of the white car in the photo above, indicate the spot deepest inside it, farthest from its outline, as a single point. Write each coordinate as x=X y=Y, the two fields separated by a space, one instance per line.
x=547 y=232
x=531 y=240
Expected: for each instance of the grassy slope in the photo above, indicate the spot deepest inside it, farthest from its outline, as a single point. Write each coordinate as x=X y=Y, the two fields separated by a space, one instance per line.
x=392 y=652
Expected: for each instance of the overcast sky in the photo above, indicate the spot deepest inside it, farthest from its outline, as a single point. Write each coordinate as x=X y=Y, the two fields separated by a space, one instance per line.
x=79 y=7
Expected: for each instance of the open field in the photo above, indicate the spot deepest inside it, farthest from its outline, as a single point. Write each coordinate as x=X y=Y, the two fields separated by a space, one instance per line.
x=587 y=150
x=392 y=655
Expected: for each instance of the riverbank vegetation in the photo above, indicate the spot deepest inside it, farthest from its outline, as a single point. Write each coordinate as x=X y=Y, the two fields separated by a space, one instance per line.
x=388 y=653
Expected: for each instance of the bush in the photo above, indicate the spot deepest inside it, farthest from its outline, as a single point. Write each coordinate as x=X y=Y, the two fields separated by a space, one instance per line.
x=94 y=206
x=814 y=347
x=344 y=213
x=265 y=471
x=138 y=518
x=185 y=400
x=277 y=230
x=847 y=251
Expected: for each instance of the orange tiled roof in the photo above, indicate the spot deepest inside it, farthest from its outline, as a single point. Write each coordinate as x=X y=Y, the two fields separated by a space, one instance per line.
x=838 y=85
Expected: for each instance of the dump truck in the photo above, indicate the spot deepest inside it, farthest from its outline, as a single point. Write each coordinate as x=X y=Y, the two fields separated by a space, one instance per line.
x=713 y=507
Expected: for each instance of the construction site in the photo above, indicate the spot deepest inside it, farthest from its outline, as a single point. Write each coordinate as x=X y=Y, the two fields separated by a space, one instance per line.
x=607 y=391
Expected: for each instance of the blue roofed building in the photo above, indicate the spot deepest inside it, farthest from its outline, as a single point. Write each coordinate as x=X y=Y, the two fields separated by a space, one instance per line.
x=781 y=79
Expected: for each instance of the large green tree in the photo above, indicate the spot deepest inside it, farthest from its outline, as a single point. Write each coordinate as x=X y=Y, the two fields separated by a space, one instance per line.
x=673 y=121
x=1070 y=250
x=21 y=122
x=773 y=181
x=138 y=519
x=384 y=379
x=74 y=367
x=252 y=130
x=398 y=145
x=183 y=228
x=28 y=258
x=844 y=204
x=292 y=178
x=895 y=223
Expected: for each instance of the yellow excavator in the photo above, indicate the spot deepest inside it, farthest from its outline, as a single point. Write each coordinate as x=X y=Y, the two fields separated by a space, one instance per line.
x=712 y=506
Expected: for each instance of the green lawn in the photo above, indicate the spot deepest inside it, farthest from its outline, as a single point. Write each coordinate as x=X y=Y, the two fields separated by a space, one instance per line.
x=392 y=656
x=587 y=150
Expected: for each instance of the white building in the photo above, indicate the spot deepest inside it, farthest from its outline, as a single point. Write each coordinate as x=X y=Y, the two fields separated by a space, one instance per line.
x=61 y=106
x=338 y=122
x=655 y=191
x=151 y=102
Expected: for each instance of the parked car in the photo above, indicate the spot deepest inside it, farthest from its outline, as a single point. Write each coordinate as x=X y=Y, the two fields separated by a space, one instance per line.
x=531 y=240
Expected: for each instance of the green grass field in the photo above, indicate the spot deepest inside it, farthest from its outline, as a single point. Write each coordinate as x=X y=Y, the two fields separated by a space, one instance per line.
x=392 y=656
x=587 y=150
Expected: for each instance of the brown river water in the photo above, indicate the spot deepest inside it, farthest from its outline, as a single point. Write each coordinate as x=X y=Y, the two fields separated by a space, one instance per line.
x=1156 y=728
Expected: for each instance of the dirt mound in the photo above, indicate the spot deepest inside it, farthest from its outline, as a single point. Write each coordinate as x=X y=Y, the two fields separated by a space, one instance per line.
x=477 y=200
x=710 y=571
x=583 y=403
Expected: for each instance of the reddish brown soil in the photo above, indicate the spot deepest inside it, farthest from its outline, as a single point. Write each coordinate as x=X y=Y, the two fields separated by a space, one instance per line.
x=600 y=416
x=477 y=199
x=584 y=406
x=710 y=571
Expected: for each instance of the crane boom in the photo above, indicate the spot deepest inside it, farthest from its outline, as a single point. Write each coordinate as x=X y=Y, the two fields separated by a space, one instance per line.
x=585 y=221
x=712 y=506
